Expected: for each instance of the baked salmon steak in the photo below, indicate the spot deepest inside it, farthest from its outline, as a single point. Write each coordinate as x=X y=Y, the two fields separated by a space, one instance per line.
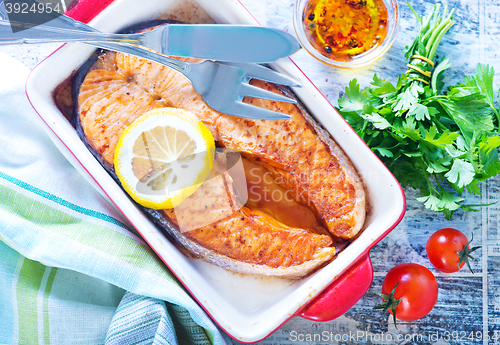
x=323 y=203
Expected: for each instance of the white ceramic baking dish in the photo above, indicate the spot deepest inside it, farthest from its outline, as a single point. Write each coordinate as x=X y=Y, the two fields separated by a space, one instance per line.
x=248 y=308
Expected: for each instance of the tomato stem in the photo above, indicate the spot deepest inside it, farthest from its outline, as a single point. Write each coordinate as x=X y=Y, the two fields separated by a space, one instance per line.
x=464 y=254
x=390 y=303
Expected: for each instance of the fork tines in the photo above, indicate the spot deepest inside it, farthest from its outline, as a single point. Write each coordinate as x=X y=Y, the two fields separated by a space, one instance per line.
x=254 y=71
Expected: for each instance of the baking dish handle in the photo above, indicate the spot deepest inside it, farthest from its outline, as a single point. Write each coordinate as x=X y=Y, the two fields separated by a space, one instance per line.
x=341 y=294
x=85 y=10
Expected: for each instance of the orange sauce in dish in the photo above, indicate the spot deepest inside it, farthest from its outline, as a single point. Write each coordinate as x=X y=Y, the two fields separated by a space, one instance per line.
x=343 y=29
x=265 y=194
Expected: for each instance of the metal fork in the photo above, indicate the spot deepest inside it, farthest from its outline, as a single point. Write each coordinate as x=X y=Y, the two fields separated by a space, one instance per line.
x=222 y=85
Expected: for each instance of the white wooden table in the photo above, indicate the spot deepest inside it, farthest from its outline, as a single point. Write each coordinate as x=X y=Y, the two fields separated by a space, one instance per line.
x=468 y=307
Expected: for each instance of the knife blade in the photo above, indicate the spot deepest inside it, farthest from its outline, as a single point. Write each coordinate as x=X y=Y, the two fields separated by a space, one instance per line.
x=234 y=43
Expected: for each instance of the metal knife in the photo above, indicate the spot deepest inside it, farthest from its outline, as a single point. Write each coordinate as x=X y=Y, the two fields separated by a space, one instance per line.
x=233 y=43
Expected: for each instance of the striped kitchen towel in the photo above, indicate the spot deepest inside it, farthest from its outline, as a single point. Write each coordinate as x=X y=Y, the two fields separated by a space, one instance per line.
x=72 y=271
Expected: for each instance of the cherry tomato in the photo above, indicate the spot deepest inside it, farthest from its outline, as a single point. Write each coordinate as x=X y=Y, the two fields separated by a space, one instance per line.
x=448 y=250
x=417 y=291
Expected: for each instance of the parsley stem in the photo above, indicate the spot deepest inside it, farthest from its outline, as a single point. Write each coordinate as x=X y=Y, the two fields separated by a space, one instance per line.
x=495 y=111
x=363 y=130
x=443 y=31
x=430 y=43
x=432 y=99
x=437 y=181
x=439 y=125
x=431 y=187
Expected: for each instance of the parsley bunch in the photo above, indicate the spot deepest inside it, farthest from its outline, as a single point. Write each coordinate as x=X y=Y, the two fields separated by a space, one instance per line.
x=440 y=143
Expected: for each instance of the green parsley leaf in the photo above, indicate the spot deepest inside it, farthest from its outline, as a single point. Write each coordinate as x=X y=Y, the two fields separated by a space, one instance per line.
x=409 y=129
x=461 y=173
x=378 y=121
x=432 y=111
x=469 y=115
x=436 y=167
x=384 y=152
x=405 y=100
x=405 y=173
x=420 y=112
x=382 y=86
x=430 y=201
x=416 y=89
x=484 y=81
x=355 y=101
x=488 y=157
x=446 y=138
x=463 y=93
x=474 y=188
x=492 y=142
x=449 y=201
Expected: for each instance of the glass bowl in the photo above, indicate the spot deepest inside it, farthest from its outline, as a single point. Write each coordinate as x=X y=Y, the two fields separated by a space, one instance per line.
x=376 y=48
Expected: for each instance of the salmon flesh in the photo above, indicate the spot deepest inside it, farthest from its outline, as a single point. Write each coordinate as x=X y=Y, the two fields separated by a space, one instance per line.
x=288 y=238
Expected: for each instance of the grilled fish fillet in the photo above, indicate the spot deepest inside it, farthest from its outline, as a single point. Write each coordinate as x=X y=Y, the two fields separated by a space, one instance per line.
x=244 y=239
x=120 y=88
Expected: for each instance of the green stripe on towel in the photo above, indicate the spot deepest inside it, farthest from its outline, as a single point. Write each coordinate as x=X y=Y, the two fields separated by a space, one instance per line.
x=27 y=286
x=46 y=294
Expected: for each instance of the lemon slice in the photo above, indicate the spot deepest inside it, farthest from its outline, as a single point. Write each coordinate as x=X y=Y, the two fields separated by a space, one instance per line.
x=163 y=156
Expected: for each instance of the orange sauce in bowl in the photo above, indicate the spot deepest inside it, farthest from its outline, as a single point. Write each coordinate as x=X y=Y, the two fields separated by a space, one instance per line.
x=343 y=29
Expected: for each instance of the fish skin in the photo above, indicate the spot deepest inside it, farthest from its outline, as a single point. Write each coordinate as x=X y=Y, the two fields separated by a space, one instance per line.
x=308 y=159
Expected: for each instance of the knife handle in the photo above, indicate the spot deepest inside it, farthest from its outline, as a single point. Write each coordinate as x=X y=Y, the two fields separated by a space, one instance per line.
x=68 y=26
x=50 y=34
